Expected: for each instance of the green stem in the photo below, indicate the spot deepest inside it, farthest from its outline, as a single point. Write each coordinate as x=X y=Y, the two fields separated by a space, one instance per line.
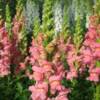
x=97 y=92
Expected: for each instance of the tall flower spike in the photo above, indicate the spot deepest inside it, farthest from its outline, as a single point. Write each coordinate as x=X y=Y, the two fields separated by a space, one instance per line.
x=22 y=34
x=58 y=16
x=5 y=47
x=8 y=20
x=78 y=35
x=23 y=40
x=48 y=21
x=19 y=8
x=97 y=7
x=89 y=6
x=31 y=11
x=36 y=21
x=66 y=24
x=36 y=26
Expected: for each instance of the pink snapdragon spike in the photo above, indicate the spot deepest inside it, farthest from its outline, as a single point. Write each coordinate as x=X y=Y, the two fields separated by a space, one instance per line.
x=16 y=55
x=5 y=46
x=37 y=52
x=39 y=91
x=43 y=70
x=91 y=51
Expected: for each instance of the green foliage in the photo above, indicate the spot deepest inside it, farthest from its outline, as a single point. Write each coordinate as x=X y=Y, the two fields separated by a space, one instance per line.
x=97 y=63
x=15 y=87
x=2 y=9
x=81 y=90
x=97 y=92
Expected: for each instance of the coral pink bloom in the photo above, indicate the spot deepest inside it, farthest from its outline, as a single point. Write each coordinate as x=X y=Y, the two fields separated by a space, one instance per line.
x=94 y=75
x=96 y=53
x=32 y=60
x=4 y=68
x=70 y=59
x=88 y=42
x=38 y=73
x=91 y=34
x=22 y=66
x=47 y=66
x=72 y=74
x=72 y=56
x=87 y=56
x=63 y=95
x=60 y=70
x=16 y=26
x=39 y=91
x=55 y=84
x=34 y=52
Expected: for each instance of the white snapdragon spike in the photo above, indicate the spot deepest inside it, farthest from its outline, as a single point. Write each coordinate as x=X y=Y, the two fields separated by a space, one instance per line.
x=31 y=10
x=87 y=21
x=94 y=1
x=58 y=17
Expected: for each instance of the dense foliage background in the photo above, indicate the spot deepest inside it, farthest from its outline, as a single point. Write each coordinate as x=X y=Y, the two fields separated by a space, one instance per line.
x=50 y=32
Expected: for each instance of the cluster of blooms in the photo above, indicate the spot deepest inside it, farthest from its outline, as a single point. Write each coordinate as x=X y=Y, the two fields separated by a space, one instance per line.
x=87 y=55
x=4 y=52
x=48 y=73
x=91 y=49
x=48 y=66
